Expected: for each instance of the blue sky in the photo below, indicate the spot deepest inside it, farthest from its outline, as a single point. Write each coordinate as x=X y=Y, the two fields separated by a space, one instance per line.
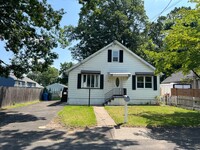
x=152 y=7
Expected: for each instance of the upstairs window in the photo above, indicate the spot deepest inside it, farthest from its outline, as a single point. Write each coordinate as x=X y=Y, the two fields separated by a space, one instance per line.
x=115 y=55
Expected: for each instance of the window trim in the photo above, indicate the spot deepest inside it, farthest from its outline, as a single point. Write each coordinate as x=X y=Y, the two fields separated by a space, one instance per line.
x=144 y=82
x=115 y=56
x=85 y=82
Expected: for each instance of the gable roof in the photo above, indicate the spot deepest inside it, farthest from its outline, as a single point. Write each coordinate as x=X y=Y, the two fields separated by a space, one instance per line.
x=25 y=79
x=177 y=77
x=106 y=47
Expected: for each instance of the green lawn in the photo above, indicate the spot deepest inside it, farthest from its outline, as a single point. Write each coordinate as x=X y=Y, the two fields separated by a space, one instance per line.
x=155 y=116
x=77 y=116
x=17 y=105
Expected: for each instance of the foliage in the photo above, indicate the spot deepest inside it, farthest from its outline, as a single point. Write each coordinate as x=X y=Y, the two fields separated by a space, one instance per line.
x=155 y=116
x=45 y=78
x=63 y=68
x=101 y=22
x=77 y=116
x=30 y=30
x=181 y=44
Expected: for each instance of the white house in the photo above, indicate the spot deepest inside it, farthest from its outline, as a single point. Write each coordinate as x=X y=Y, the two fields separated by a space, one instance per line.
x=109 y=74
x=56 y=89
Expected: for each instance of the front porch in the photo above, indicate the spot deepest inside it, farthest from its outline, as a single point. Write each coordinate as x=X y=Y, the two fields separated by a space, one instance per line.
x=115 y=96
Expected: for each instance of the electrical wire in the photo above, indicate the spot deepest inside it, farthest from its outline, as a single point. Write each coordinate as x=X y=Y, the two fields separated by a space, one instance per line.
x=173 y=5
x=155 y=17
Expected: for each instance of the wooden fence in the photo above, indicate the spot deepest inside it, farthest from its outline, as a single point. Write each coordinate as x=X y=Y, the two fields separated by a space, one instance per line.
x=189 y=98
x=12 y=95
x=186 y=92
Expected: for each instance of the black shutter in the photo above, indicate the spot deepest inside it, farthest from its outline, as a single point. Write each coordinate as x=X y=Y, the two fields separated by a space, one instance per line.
x=109 y=55
x=154 y=83
x=101 y=81
x=133 y=82
x=121 y=56
x=79 y=81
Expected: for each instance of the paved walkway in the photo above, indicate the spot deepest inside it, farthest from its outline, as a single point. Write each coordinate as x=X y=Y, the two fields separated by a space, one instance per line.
x=103 y=118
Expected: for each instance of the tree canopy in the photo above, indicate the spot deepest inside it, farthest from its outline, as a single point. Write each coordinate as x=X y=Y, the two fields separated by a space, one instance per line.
x=30 y=30
x=63 y=76
x=181 y=50
x=45 y=78
x=103 y=21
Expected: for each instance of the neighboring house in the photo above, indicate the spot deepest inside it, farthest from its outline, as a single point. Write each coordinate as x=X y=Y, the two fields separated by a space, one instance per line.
x=13 y=81
x=56 y=89
x=179 y=80
x=110 y=73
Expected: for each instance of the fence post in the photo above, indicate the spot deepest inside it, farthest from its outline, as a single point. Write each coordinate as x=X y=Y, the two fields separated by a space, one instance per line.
x=193 y=103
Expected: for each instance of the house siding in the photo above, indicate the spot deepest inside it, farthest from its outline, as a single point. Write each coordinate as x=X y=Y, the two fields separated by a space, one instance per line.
x=100 y=62
x=8 y=82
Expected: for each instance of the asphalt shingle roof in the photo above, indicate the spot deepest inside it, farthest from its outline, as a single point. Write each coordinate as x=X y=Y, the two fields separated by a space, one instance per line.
x=177 y=77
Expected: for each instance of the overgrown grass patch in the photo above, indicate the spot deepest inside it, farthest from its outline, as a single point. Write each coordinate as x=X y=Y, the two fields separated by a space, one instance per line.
x=155 y=116
x=17 y=105
x=77 y=116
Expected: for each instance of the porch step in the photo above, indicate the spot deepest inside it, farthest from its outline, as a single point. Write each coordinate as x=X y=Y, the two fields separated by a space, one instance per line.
x=112 y=99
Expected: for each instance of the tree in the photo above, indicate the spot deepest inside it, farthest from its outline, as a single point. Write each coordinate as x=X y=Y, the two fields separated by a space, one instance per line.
x=63 y=68
x=156 y=35
x=163 y=23
x=181 y=45
x=30 y=30
x=103 y=21
x=45 y=78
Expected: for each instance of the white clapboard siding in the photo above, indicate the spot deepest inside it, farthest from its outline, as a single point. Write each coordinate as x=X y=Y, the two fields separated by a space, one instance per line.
x=131 y=64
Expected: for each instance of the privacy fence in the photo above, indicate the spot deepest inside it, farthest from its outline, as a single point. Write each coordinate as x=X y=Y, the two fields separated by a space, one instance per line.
x=12 y=95
x=184 y=97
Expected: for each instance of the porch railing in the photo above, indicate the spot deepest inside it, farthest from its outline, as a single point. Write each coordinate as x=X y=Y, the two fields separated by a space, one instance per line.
x=115 y=92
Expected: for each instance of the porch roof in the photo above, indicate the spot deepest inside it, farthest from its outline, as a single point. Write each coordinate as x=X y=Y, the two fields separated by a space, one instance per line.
x=119 y=74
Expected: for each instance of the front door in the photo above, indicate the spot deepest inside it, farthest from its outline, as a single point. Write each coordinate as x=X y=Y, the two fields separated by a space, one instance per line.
x=118 y=85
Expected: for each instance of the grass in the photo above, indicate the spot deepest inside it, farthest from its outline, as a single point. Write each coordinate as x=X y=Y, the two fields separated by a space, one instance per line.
x=155 y=116
x=17 y=105
x=77 y=116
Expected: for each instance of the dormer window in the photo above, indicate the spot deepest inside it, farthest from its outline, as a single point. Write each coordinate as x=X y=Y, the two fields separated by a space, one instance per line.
x=115 y=57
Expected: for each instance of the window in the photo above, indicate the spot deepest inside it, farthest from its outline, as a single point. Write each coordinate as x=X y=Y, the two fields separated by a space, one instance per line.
x=144 y=81
x=30 y=84
x=148 y=82
x=115 y=56
x=90 y=80
x=140 y=82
